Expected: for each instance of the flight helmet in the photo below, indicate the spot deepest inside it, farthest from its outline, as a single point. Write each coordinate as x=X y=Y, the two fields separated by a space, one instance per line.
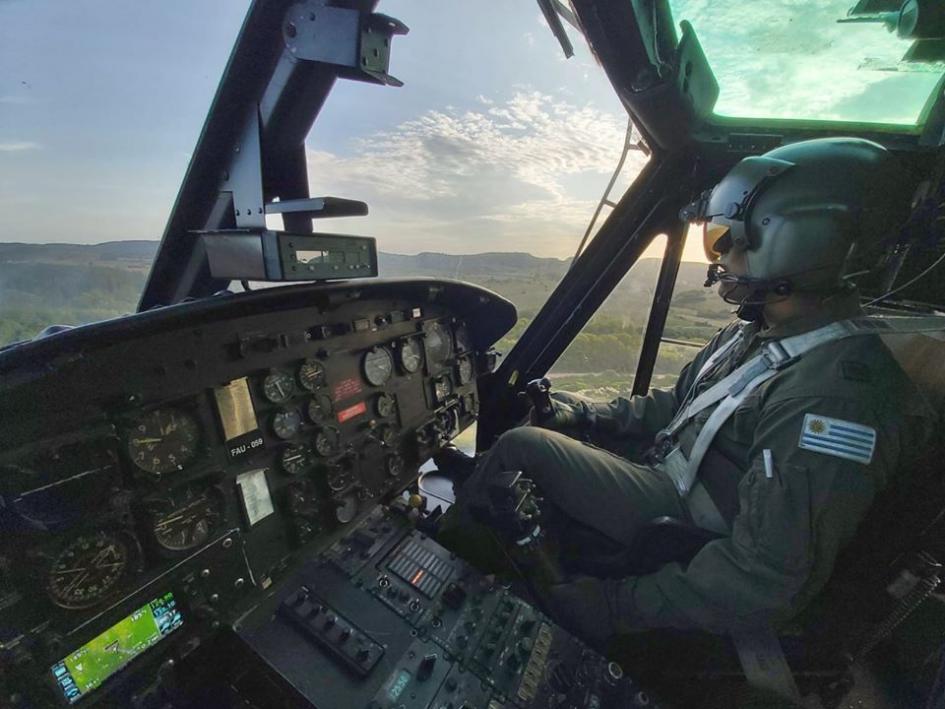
x=797 y=213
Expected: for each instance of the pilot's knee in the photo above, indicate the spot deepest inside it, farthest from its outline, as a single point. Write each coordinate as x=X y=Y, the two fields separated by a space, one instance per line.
x=524 y=446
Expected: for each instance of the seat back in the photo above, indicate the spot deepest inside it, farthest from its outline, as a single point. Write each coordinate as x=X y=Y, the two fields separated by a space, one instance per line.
x=907 y=517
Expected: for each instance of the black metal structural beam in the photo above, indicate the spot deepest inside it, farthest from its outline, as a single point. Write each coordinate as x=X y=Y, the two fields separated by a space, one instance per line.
x=649 y=208
x=250 y=156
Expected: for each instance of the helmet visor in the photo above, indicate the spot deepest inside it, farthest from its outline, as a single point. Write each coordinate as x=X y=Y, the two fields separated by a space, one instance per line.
x=716 y=240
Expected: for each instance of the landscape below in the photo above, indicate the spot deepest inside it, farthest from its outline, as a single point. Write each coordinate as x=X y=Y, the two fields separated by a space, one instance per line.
x=72 y=284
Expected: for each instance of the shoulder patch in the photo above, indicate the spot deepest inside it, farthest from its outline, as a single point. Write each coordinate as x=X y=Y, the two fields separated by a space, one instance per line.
x=843 y=439
x=855 y=371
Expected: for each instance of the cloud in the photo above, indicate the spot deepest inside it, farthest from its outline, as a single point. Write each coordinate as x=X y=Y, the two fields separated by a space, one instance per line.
x=16 y=100
x=519 y=175
x=18 y=146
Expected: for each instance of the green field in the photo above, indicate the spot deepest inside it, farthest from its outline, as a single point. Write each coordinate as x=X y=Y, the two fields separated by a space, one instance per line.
x=44 y=284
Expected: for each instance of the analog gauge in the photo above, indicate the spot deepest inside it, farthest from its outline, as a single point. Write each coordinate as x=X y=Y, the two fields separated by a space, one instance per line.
x=185 y=520
x=295 y=460
x=395 y=466
x=326 y=442
x=438 y=343
x=385 y=405
x=378 y=366
x=339 y=478
x=464 y=370
x=311 y=375
x=278 y=387
x=463 y=338
x=163 y=440
x=411 y=355
x=346 y=508
x=442 y=388
x=386 y=436
x=88 y=569
x=286 y=424
x=319 y=408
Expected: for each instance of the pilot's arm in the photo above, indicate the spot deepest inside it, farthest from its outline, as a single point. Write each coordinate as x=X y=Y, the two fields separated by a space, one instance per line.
x=795 y=514
x=640 y=417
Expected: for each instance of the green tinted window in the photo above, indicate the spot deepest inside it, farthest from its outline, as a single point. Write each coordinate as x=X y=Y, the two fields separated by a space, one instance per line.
x=792 y=59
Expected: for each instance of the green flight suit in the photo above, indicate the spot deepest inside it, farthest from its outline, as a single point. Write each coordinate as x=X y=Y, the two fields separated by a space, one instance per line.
x=786 y=521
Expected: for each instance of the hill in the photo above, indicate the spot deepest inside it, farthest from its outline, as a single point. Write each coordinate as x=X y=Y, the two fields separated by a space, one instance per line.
x=71 y=284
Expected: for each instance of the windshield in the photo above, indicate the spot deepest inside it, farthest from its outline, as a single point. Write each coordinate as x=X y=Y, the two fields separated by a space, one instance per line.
x=792 y=59
x=486 y=166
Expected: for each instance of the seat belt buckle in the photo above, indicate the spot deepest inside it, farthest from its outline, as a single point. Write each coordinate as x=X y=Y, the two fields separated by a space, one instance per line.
x=662 y=446
x=776 y=357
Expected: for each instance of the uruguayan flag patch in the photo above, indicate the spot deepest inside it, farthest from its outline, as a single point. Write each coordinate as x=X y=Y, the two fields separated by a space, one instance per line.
x=843 y=439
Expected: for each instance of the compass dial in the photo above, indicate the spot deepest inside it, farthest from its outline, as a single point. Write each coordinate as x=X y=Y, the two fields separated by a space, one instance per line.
x=163 y=440
x=87 y=570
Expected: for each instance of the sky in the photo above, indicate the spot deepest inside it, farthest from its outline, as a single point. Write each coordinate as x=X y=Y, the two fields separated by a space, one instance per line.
x=495 y=143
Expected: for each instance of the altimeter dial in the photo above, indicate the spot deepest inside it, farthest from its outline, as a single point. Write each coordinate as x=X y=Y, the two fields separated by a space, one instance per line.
x=88 y=569
x=163 y=440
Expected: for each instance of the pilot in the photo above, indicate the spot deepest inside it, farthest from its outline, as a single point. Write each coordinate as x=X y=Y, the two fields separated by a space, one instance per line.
x=778 y=436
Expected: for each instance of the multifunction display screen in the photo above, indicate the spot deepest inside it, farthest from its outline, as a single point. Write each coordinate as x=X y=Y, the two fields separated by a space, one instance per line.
x=100 y=658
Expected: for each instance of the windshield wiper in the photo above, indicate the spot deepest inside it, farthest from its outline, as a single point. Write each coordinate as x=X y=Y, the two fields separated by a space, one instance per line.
x=554 y=10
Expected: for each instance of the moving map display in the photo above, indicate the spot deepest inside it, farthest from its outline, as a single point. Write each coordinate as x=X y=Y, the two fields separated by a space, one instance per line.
x=97 y=660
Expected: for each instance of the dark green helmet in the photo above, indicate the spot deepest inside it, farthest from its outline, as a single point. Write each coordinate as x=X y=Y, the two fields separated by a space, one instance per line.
x=798 y=212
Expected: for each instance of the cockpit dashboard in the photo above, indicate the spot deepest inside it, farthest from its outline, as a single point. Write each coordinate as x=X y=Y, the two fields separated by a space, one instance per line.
x=158 y=473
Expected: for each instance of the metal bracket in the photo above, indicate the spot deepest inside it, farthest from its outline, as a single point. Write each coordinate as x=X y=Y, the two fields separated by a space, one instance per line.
x=244 y=178
x=358 y=43
x=319 y=207
x=250 y=158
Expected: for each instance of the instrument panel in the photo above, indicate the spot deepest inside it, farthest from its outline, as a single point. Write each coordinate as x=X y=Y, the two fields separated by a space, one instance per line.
x=200 y=449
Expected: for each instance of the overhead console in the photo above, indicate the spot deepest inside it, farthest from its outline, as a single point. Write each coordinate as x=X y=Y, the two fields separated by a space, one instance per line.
x=160 y=473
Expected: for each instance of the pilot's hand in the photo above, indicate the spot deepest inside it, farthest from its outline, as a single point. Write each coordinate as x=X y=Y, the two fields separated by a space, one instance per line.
x=563 y=416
